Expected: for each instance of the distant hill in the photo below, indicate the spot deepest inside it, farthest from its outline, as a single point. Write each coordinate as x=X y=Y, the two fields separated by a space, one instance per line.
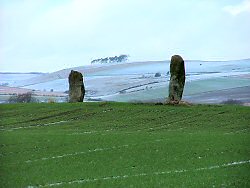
x=88 y=69
x=22 y=73
x=95 y=68
x=133 y=81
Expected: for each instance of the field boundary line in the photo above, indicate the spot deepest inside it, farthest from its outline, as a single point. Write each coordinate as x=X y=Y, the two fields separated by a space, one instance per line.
x=87 y=180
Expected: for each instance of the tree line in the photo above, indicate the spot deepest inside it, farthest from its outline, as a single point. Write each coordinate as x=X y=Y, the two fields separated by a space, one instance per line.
x=115 y=59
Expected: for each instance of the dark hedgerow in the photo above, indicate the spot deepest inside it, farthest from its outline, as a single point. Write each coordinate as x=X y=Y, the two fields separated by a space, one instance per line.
x=23 y=98
x=232 y=101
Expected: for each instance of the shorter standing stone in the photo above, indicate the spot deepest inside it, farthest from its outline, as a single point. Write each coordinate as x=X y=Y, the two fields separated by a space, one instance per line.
x=177 y=79
x=76 y=87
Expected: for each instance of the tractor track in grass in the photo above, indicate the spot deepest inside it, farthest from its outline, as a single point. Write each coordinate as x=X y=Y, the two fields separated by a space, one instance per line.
x=36 y=125
x=48 y=116
x=61 y=114
x=94 y=150
x=191 y=119
x=76 y=118
x=238 y=131
x=90 y=180
x=87 y=151
x=86 y=115
x=166 y=125
x=102 y=132
x=80 y=118
x=116 y=131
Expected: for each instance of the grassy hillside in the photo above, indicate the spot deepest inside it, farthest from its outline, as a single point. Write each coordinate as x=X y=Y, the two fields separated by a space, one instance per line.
x=124 y=145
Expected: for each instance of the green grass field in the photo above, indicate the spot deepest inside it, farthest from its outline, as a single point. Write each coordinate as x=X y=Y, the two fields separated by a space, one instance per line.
x=124 y=145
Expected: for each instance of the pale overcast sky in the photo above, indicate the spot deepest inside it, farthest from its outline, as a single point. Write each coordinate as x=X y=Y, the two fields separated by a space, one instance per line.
x=49 y=35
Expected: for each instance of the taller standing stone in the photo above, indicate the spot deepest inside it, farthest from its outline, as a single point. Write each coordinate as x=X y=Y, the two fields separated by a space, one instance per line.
x=177 y=79
x=76 y=87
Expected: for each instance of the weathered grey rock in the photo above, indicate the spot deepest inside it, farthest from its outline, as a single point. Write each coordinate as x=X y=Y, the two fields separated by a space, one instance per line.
x=76 y=87
x=177 y=79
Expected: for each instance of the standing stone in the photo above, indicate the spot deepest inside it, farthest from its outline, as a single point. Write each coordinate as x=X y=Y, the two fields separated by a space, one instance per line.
x=76 y=87
x=177 y=79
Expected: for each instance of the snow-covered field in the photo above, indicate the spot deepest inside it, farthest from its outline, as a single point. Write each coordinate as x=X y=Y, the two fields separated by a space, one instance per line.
x=12 y=78
x=137 y=81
